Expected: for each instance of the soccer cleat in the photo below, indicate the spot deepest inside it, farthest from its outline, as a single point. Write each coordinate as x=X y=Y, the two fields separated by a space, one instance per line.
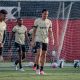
x=38 y=71
x=34 y=68
x=42 y=72
x=21 y=69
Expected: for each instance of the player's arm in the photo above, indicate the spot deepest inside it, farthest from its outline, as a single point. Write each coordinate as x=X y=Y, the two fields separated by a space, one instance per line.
x=4 y=35
x=11 y=37
x=33 y=34
x=51 y=34
x=26 y=36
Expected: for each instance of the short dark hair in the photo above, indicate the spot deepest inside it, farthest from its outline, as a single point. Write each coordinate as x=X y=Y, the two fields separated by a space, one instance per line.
x=44 y=10
x=19 y=19
x=3 y=11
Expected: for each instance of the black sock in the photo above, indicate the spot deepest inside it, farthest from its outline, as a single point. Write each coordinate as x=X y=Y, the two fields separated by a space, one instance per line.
x=37 y=66
x=16 y=62
x=20 y=66
x=41 y=69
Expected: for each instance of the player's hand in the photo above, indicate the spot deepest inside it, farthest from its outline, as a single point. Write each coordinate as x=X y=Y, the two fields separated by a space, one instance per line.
x=1 y=44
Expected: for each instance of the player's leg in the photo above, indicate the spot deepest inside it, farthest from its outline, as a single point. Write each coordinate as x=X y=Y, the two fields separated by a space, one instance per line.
x=23 y=52
x=20 y=58
x=35 y=52
x=17 y=46
x=20 y=61
x=38 y=54
x=43 y=57
x=19 y=50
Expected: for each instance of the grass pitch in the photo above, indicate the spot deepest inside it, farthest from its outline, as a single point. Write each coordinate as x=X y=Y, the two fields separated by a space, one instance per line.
x=7 y=72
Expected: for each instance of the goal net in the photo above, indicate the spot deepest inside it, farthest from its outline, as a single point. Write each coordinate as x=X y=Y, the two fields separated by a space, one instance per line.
x=65 y=18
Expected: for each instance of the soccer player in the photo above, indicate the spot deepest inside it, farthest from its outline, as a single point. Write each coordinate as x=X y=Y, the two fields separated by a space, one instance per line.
x=3 y=14
x=34 y=49
x=20 y=33
x=42 y=27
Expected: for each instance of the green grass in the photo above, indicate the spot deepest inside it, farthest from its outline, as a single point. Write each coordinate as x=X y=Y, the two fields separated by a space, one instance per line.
x=66 y=73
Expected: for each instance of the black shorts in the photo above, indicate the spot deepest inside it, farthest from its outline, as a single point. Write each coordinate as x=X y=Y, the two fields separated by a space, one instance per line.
x=41 y=45
x=19 y=47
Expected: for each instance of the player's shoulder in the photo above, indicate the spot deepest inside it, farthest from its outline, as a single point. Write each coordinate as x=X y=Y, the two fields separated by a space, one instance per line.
x=3 y=23
x=24 y=26
x=48 y=20
x=15 y=26
x=38 y=19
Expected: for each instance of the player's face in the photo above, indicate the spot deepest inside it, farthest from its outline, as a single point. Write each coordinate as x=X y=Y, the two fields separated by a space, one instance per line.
x=20 y=22
x=45 y=14
x=4 y=16
x=1 y=16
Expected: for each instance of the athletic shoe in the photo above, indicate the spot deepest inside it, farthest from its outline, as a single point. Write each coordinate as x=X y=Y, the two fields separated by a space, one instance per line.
x=21 y=69
x=38 y=71
x=42 y=72
x=34 y=68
